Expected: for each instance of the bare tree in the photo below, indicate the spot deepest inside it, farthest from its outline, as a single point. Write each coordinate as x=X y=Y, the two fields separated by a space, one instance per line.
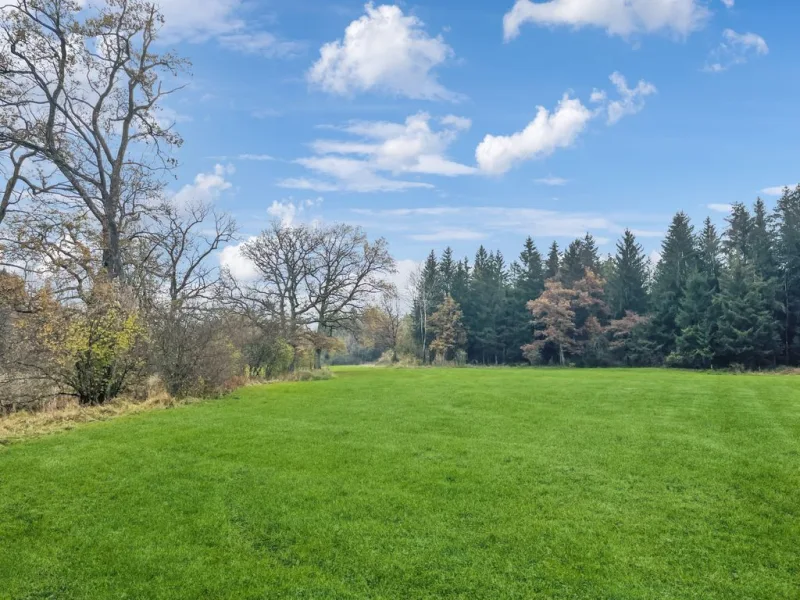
x=393 y=319
x=283 y=257
x=181 y=317
x=82 y=91
x=347 y=273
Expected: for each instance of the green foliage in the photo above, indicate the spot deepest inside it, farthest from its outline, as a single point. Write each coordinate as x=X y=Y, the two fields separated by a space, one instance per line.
x=627 y=283
x=746 y=330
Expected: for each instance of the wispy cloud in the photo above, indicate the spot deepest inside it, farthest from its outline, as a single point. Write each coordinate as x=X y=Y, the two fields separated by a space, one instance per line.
x=777 y=190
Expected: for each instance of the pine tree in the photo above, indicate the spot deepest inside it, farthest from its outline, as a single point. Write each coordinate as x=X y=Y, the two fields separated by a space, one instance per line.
x=572 y=267
x=746 y=329
x=627 y=284
x=762 y=243
x=693 y=343
x=738 y=233
x=553 y=262
x=527 y=277
x=787 y=251
x=590 y=257
x=709 y=259
x=447 y=271
x=678 y=260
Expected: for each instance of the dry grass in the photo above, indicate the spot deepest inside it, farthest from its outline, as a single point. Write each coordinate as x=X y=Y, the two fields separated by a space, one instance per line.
x=63 y=414
x=66 y=414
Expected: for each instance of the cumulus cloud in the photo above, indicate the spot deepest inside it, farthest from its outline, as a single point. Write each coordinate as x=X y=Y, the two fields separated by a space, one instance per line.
x=383 y=51
x=735 y=49
x=550 y=131
x=289 y=211
x=617 y=17
x=232 y=259
x=206 y=187
x=383 y=151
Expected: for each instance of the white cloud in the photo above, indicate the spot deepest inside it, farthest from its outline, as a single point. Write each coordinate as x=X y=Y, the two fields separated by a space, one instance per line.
x=631 y=100
x=777 y=190
x=617 y=17
x=206 y=187
x=735 y=49
x=476 y=222
x=729 y=3
x=384 y=51
x=262 y=43
x=723 y=208
x=543 y=136
x=241 y=268
x=560 y=129
x=552 y=181
x=450 y=234
x=257 y=157
x=382 y=149
x=289 y=211
x=227 y=21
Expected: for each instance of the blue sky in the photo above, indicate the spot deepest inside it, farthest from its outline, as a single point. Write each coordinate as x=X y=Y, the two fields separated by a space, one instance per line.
x=422 y=120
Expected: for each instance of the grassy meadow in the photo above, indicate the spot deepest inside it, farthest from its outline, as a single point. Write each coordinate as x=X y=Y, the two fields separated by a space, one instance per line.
x=381 y=483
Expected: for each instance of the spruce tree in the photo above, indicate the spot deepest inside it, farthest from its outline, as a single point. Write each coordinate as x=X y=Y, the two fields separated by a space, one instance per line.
x=553 y=262
x=678 y=260
x=787 y=251
x=527 y=283
x=746 y=329
x=572 y=268
x=738 y=233
x=590 y=256
x=627 y=282
x=447 y=271
x=709 y=258
x=762 y=243
x=694 y=320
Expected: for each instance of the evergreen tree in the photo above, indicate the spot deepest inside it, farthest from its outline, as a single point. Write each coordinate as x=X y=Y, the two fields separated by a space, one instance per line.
x=572 y=264
x=553 y=262
x=460 y=287
x=762 y=244
x=590 y=257
x=746 y=329
x=447 y=271
x=693 y=343
x=709 y=259
x=678 y=260
x=627 y=283
x=527 y=284
x=738 y=233
x=787 y=251
x=528 y=273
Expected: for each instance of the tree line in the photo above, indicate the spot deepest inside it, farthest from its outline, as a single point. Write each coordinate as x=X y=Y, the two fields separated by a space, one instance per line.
x=728 y=299
x=111 y=285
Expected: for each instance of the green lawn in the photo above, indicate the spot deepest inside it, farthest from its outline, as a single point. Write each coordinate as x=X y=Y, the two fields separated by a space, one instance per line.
x=421 y=484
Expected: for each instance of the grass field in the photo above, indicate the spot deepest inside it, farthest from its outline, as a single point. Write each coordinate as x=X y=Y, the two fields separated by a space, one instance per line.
x=420 y=484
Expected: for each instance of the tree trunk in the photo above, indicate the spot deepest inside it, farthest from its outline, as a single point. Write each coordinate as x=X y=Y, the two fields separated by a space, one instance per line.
x=112 y=253
x=318 y=358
